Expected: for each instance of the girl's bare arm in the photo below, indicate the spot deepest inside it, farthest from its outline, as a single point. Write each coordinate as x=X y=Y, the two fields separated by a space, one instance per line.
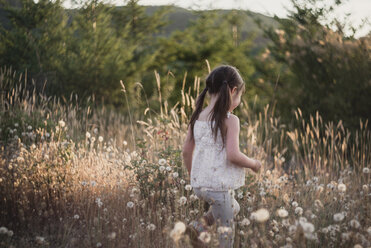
x=234 y=154
x=187 y=151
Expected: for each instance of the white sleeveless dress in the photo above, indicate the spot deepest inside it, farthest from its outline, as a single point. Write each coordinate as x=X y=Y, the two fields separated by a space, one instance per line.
x=210 y=167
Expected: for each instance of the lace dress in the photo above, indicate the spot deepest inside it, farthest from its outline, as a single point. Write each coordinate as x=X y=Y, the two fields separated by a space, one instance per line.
x=210 y=167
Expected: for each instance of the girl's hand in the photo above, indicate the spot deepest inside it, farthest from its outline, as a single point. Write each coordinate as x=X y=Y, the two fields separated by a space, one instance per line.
x=257 y=166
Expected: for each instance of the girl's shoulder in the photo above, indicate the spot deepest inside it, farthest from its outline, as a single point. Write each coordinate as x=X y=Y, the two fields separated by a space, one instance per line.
x=232 y=121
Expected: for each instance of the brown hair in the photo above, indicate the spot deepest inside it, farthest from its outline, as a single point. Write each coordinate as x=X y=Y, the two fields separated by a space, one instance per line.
x=218 y=82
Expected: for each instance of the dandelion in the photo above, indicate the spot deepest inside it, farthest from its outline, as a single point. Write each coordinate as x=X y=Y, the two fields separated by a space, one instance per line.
x=151 y=227
x=245 y=222
x=95 y=130
x=369 y=230
x=338 y=217
x=29 y=127
x=93 y=183
x=342 y=187
x=357 y=246
x=260 y=215
x=61 y=123
x=175 y=174
x=193 y=197
x=178 y=230
x=298 y=210
x=10 y=233
x=168 y=168
x=76 y=216
x=366 y=170
x=282 y=213
x=188 y=187
x=205 y=237
x=224 y=229
x=365 y=187
x=161 y=168
x=182 y=200
x=125 y=143
x=88 y=135
x=99 y=244
x=294 y=204
x=100 y=139
x=40 y=240
x=307 y=226
x=354 y=223
x=130 y=204
x=112 y=235
x=3 y=230
x=162 y=161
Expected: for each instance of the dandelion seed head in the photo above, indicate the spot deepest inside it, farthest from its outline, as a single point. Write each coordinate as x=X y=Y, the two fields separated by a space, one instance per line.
x=205 y=237
x=282 y=212
x=261 y=215
x=162 y=161
x=338 y=217
x=130 y=204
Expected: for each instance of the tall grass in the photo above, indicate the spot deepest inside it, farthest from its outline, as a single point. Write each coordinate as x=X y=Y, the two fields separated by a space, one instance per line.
x=74 y=174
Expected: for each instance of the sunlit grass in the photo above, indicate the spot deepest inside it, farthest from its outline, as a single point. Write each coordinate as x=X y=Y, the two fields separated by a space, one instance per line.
x=71 y=176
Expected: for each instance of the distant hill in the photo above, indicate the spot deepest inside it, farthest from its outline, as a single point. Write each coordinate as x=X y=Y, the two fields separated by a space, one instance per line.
x=179 y=18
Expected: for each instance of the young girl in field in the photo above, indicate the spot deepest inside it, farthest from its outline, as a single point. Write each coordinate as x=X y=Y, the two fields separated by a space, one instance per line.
x=212 y=156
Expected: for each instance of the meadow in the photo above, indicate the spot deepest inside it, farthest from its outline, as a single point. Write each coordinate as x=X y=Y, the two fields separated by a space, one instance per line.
x=72 y=175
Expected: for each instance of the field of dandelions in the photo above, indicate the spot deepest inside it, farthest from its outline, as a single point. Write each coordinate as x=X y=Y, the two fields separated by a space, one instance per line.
x=75 y=176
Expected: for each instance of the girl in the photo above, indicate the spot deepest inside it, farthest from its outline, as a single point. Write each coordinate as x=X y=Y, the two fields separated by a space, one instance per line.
x=212 y=156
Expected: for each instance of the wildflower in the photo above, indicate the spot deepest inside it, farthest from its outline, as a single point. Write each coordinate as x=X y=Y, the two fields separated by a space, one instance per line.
x=366 y=170
x=161 y=168
x=178 y=230
x=205 y=237
x=61 y=123
x=88 y=135
x=29 y=127
x=294 y=204
x=354 y=223
x=182 y=200
x=175 y=174
x=245 y=222
x=95 y=130
x=298 y=210
x=365 y=187
x=307 y=227
x=112 y=235
x=240 y=195
x=193 y=197
x=224 y=229
x=93 y=183
x=99 y=202
x=357 y=246
x=260 y=215
x=151 y=227
x=10 y=233
x=99 y=244
x=188 y=187
x=342 y=187
x=168 y=168
x=76 y=216
x=125 y=143
x=130 y=204
x=162 y=161
x=369 y=230
x=282 y=213
x=3 y=230
x=100 y=139
x=40 y=240
x=338 y=217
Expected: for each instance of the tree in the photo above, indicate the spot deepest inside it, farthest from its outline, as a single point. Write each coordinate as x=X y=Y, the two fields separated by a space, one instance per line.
x=322 y=69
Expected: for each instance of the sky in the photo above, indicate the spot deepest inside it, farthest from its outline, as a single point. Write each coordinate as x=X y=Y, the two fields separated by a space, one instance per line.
x=358 y=9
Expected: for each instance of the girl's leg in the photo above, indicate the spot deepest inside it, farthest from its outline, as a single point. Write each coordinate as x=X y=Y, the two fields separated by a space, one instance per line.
x=223 y=213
